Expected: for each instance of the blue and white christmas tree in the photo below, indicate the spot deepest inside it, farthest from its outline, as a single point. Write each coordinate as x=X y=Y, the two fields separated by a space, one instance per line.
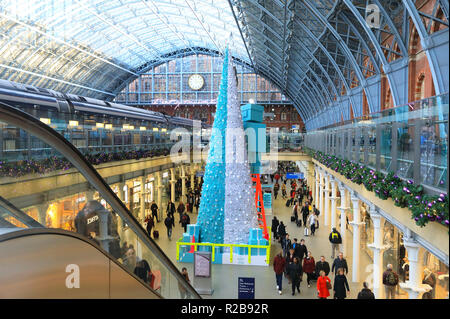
x=227 y=211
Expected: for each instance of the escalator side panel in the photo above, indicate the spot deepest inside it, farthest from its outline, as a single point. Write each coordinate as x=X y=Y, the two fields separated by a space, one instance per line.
x=123 y=286
x=35 y=266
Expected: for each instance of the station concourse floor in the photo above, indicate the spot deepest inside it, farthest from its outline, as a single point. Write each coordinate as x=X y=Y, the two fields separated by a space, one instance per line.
x=225 y=277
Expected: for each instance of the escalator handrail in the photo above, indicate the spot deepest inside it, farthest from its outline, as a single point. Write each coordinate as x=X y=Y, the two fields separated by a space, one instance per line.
x=44 y=132
x=13 y=211
x=20 y=233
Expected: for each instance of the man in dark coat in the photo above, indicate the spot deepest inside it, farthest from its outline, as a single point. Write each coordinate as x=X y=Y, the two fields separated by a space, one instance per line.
x=322 y=265
x=305 y=213
x=340 y=262
x=294 y=270
x=302 y=250
x=154 y=209
x=170 y=208
x=286 y=244
x=281 y=231
x=366 y=293
x=275 y=223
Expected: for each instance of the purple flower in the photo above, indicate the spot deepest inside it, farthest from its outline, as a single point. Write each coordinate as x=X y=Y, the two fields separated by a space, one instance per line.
x=430 y=204
x=410 y=181
x=446 y=221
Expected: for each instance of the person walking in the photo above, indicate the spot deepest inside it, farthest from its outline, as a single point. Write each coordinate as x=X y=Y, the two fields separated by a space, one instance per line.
x=281 y=232
x=170 y=208
x=315 y=211
x=295 y=213
x=275 y=223
x=340 y=263
x=312 y=220
x=154 y=209
x=286 y=244
x=184 y=221
x=390 y=282
x=309 y=266
x=322 y=265
x=335 y=240
x=180 y=209
x=323 y=285
x=365 y=293
x=302 y=250
x=183 y=292
x=150 y=224
x=276 y=189
x=305 y=213
x=340 y=286
x=279 y=265
x=169 y=222
x=295 y=273
x=283 y=191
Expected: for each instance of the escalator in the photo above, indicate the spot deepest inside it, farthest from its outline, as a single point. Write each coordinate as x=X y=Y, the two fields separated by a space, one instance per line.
x=87 y=248
x=43 y=263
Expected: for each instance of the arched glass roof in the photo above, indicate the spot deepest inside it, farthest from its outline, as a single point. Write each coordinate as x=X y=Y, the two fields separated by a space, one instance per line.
x=328 y=57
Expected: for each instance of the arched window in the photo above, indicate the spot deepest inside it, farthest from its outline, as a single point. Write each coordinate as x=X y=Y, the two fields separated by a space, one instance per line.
x=420 y=87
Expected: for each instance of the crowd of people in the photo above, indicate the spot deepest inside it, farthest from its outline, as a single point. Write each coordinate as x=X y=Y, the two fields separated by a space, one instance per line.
x=296 y=263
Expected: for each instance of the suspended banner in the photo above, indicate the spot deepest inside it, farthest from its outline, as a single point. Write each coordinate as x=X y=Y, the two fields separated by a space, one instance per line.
x=298 y=175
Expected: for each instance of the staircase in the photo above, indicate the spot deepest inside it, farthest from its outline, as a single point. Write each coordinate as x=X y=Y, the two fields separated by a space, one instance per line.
x=259 y=203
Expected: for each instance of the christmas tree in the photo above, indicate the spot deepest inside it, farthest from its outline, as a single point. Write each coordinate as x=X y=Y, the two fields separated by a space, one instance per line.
x=227 y=211
x=212 y=202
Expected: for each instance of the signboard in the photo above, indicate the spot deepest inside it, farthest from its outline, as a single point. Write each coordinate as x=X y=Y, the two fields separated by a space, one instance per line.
x=246 y=288
x=202 y=272
x=202 y=265
x=298 y=175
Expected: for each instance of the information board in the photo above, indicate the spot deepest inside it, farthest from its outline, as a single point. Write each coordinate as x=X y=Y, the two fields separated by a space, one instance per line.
x=246 y=288
x=202 y=265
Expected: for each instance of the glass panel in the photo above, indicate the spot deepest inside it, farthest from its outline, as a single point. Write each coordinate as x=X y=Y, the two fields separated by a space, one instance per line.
x=405 y=149
x=385 y=149
x=46 y=186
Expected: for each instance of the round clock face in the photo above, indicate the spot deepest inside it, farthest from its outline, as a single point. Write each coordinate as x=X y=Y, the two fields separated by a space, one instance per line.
x=196 y=82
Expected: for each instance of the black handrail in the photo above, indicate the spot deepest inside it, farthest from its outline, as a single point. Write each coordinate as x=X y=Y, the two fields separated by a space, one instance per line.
x=42 y=131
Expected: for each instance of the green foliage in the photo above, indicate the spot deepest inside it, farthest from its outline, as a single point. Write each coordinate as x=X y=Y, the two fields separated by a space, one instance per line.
x=424 y=208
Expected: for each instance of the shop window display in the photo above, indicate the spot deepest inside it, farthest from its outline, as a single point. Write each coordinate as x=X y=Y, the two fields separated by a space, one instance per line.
x=435 y=274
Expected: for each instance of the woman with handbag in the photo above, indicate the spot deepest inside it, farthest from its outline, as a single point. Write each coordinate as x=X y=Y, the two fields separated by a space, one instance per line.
x=323 y=285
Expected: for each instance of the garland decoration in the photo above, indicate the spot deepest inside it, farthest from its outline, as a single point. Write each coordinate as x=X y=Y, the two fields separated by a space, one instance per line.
x=425 y=208
x=54 y=163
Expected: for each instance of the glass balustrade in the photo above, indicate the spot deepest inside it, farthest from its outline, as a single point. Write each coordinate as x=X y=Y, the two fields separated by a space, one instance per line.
x=54 y=185
x=410 y=140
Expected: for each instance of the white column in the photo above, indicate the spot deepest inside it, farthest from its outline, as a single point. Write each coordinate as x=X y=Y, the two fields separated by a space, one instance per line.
x=377 y=248
x=183 y=184
x=343 y=222
x=192 y=171
x=142 y=199
x=172 y=185
x=317 y=185
x=42 y=214
x=327 y=201
x=333 y=199
x=414 y=285
x=159 y=187
x=321 y=187
x=121 y=196
x=356 y=238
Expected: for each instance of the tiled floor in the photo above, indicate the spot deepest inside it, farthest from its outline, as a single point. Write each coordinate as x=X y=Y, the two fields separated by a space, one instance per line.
x=225 y=277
